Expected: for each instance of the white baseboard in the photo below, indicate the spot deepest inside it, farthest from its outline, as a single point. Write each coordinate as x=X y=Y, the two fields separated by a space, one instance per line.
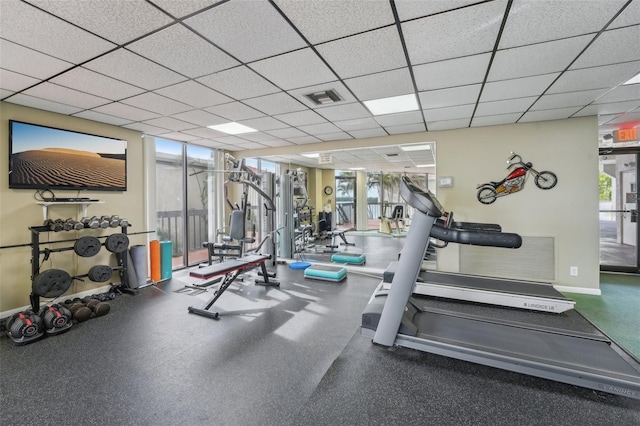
x=82 y=294
x=578 y=290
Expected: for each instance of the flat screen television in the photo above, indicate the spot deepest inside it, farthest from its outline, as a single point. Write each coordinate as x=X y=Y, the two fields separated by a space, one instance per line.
x=42 y=157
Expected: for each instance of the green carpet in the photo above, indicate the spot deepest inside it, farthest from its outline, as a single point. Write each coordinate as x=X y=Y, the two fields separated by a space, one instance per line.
x=616 y=311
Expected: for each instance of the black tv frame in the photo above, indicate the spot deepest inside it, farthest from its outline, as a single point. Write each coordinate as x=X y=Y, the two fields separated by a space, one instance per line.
x=58 y=151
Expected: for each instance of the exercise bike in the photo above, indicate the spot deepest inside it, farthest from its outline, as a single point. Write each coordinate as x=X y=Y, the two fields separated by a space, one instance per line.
x=514 y=182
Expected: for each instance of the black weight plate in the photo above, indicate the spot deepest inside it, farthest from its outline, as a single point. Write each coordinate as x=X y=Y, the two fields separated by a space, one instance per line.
x=87 y=246
x=100 y=273
x=51 y=283
x=117 y=243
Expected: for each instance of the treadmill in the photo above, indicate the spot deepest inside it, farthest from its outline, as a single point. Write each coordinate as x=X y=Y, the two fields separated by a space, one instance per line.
x=564 y=347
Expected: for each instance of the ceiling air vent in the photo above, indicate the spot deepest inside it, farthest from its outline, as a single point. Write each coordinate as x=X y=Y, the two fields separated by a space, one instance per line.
x=392 y=155
x=324 y=98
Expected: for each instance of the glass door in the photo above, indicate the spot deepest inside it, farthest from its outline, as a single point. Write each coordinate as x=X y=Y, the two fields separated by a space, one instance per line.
x=345 y=212
x=619 y=232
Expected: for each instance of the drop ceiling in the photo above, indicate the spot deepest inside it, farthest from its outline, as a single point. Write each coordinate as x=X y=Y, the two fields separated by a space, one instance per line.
x=170 y=68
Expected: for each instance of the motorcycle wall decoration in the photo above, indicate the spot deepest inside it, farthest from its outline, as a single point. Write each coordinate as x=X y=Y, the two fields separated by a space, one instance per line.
x=515 y=180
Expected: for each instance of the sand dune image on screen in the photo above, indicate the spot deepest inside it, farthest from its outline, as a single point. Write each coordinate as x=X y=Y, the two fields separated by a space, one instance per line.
x=67 y=167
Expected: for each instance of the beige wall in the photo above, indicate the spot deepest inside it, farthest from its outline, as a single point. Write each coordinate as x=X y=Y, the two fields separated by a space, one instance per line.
x=568 y=213
x=19 y=211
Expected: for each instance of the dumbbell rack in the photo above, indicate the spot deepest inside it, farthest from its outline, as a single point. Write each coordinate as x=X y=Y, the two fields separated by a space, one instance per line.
x=35 y=260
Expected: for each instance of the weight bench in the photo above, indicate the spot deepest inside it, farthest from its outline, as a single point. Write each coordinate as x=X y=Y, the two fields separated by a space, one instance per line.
x=230 y=271
x=338 y=232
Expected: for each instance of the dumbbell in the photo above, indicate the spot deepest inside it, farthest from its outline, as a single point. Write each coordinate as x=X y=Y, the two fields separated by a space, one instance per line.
x=71 y=224
x=79 y=311
x=109 y=221
x=97 y=307
x=90 y=222
x=56 y=225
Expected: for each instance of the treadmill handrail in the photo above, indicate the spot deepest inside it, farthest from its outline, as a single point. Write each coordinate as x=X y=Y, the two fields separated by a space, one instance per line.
x=475 y=237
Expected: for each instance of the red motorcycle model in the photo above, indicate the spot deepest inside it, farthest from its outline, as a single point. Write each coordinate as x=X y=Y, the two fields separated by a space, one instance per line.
x=514 y=182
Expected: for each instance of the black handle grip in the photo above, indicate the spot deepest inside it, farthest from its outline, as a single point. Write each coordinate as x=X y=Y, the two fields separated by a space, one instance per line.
x=477 y=238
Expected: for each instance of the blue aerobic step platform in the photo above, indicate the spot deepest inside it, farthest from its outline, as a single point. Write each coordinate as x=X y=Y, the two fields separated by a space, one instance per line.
x=326 y=272
x=352 y=258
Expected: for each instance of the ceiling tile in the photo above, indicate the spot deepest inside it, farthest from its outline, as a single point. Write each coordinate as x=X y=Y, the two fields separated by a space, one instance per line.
x=492 y=120
x=156 y=103
x=146 y=128
x=410 y=9
x=249 y=145
x=411 y=117
x=239 y=83
x=193 y=93
x=450 y=97
x=344 y=112
x=247 y=29
x=449 y=113
x=96 y=84
x=257 y=137
x=200 y=117
x=183 y=51
x=131 y=68
x=64 y=95
x=234 y=111
x=544 y=20
x=336 y=86
x=170 y=123
x=125 y=111
x=294 y=70
x=276 y=143
x=382 y=85
x=29 y=62
x=231 y=140
x=611 y=47
x=542 y=58
x=561 y=100
x=44 y=104
x=14 y=81
x=548 y=114
x=516 y=88
x=204 y=132
x=300 y=118
x=629 y=16
x=461 y=32
x=286 y=133
x=102 y=118
x=70 y=42
x=628 y=92
x=448 y=124
x=277 y=103
x=630 y=117
x=327 y=20
x=5 y=93
x=451 y=73
x=300 y=140
x=337 y=136
x=504 y=107
x=181 y=8
x=319 y=129
x=368 y=133
x=117 y=21
x=405 y=128
x=595 y=78
x=264 y=123
x=367 y=53
x=612 y=108
x=357 y=124
x=178 y=136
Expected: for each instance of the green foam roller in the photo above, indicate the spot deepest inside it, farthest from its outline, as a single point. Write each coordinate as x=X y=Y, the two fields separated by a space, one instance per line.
x=166 y=254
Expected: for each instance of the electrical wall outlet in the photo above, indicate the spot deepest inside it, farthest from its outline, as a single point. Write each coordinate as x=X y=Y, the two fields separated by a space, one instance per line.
x=573 y=271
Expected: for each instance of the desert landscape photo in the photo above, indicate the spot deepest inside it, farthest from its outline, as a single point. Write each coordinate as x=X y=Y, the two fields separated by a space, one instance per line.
x=60 y=167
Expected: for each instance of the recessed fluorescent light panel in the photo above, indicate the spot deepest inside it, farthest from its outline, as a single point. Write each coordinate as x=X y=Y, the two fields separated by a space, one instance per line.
x=392 y=105
x=311 y=155
x=425 y=165
x=634 y=80
x=417 y=147
x=232 y=128
x=357 y=168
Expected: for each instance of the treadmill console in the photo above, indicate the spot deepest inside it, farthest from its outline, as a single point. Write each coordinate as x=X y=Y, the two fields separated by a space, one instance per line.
x=421 y=199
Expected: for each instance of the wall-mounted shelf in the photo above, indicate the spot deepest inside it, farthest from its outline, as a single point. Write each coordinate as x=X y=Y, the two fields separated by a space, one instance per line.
x=45 y=206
